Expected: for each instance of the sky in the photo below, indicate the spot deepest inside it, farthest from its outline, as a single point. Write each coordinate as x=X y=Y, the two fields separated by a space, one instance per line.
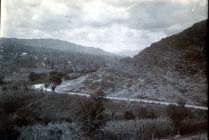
x=112 y=25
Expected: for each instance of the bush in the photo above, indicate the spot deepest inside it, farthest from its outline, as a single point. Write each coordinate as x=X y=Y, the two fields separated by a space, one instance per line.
x=14 y=113
x=55 y=77
x=145 y=113
x=128 y=115
x=177 y=114
x=136 y=129
x=91 y=114
x=2 y=80
x=16 y=86
x=35 y=77
x=189 y=126
x=56 y=131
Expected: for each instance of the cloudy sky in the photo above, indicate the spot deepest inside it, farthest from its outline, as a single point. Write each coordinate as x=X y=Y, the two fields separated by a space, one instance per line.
x=113 y=25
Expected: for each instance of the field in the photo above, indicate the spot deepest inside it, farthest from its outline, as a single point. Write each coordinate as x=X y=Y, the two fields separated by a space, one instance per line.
x=30 y=114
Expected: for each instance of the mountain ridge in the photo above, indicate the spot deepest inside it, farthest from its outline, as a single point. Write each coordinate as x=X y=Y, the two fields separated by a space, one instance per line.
x=58 y=44
x=168 y=70
x=189 y=46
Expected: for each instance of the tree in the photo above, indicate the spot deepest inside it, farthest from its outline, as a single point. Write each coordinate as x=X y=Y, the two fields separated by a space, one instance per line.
x=177 y=114
x=91 y=114
x=53 y=86
x=55 y=77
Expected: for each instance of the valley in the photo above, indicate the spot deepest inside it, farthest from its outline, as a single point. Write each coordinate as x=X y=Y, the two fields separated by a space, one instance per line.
x=50 y=86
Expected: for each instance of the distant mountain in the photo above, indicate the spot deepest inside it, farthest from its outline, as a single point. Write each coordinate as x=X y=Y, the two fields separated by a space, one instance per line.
x=128 y=53
x=47 y=54
x=171 y=69
x=56 y=44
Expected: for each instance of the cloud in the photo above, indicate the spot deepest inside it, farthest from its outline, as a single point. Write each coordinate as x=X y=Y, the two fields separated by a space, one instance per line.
x=166 y=15
x=113 y=25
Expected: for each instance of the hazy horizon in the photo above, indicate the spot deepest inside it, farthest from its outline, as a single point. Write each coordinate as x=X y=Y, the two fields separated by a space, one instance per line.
x=114 y=26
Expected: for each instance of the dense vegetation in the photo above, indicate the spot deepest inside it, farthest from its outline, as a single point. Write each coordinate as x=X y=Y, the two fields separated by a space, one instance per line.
x=36 y=114
x=13 y=57
x=28 y=114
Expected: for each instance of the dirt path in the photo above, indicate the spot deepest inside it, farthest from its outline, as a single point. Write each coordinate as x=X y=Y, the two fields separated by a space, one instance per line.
x=40 y=86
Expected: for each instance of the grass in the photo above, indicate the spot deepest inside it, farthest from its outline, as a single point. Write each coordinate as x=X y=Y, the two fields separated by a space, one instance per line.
x=40 y=114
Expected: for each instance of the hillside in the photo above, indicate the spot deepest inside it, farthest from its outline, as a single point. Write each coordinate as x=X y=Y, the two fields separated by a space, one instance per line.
x=184 y=53
x=20 y=57
x=169 y=70
x=55 y=44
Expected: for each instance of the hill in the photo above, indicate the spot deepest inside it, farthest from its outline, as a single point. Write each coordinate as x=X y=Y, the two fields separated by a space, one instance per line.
x=184 y=53
x=22 y=56
x=170 y=70
x=55 y=44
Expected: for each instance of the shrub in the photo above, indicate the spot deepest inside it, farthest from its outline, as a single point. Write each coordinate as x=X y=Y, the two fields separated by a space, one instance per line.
x=2 y=80
x=16 y=86
x=33 y=76
x=14 y=113
x=37 y=77
x=189 y=126
x=128 y=115
x=52 y=131
x=135 y=129
x=177 y=114
x=91 y=116
x=55 y=77
x=145 y=113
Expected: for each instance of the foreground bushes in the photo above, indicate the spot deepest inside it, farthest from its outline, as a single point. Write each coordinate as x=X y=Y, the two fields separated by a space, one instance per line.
x=57 y=131
x=146 y=113
x=113 y=130
x=13 y=111
x=177 y=114
x=132 y=130
x=38 y=116
x=91 y=115
x=189 y=126
x=37 y=77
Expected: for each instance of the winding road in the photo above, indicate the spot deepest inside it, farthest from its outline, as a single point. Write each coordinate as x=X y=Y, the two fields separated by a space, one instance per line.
x=41 y=87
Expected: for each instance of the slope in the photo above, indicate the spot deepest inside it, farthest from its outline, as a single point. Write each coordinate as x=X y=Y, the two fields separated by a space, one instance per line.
x=170 y=70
